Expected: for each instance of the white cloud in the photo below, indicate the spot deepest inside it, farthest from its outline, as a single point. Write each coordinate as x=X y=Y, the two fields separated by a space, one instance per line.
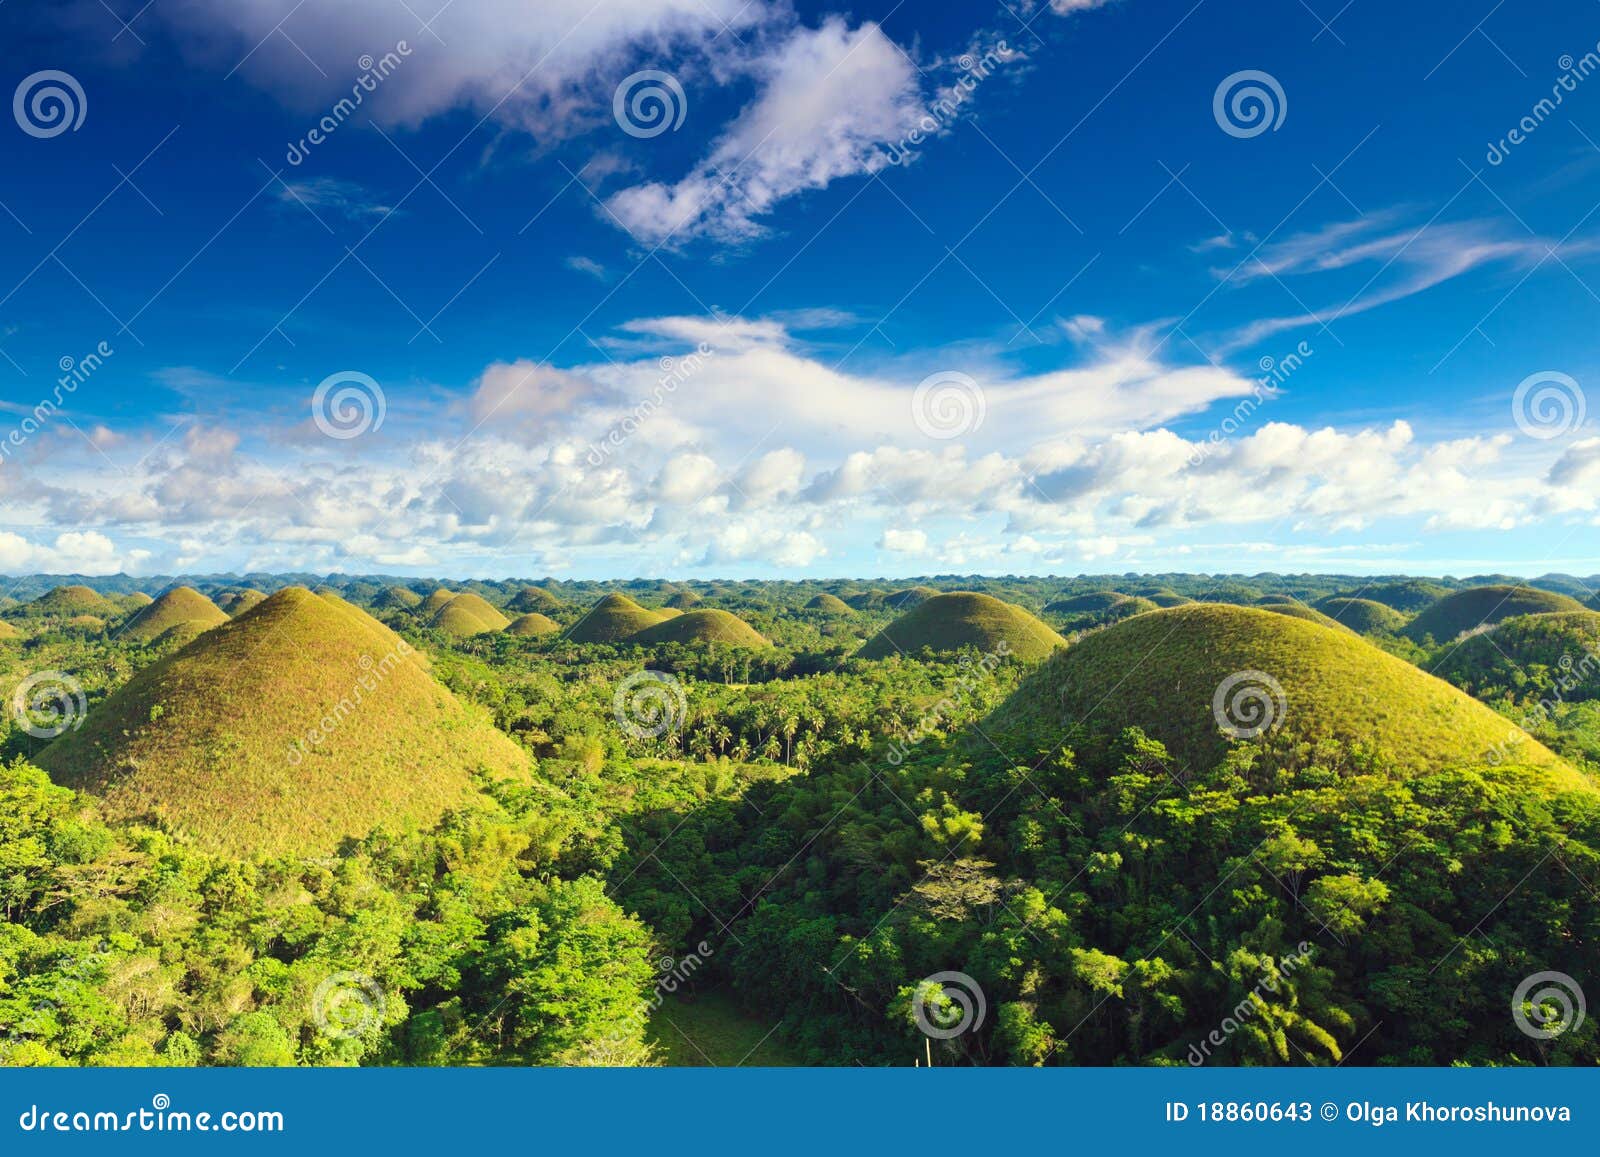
x=903 y=541
x=547 y=68
x=74 y=552
x=593 y=268
x=831 y=98
x=327 y=196
x=1405 y=261
x=768 y=457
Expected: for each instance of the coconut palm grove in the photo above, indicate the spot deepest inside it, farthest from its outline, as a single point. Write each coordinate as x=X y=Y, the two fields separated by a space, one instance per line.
x=291 y=820
x=541 y=536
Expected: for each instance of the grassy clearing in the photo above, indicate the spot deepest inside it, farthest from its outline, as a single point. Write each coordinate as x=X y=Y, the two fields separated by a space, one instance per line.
x=710 y=1030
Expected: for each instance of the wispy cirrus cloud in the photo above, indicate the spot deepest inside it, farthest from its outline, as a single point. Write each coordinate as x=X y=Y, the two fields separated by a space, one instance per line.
x=1404 y=261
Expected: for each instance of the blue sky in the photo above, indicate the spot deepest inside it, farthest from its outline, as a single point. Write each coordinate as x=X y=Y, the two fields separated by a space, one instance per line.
x=939 y=288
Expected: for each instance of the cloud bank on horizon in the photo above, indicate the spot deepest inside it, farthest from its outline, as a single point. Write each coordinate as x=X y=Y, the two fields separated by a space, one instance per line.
x=764 y=345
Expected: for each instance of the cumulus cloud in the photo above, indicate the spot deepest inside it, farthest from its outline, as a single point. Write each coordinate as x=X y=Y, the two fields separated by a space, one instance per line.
x=767 y=457
x=831 y=98
x=903 y=541
x=74 y=552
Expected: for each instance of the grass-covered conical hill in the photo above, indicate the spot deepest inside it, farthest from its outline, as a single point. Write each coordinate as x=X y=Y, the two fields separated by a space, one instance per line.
x=1363 y=616
x=904 y=600
x=534 y=600
x=65 y=603
x=431 y=605
x=1169 y=599
x=1298 y=610
x=1096 y=608
x=1162 y=672
x=236 y=603
x=613 y=619
x=684 y=600
x=396 y=598
x=183 y=605
x=1477 y=607
x=1407 y=596
x=299 y=723
x=468 y=614
x=1553 y=657
x=951 y=622
x=1092 y=603
x=532 y=625
x=135 y=600
x=702 y=627
x=830 y=605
